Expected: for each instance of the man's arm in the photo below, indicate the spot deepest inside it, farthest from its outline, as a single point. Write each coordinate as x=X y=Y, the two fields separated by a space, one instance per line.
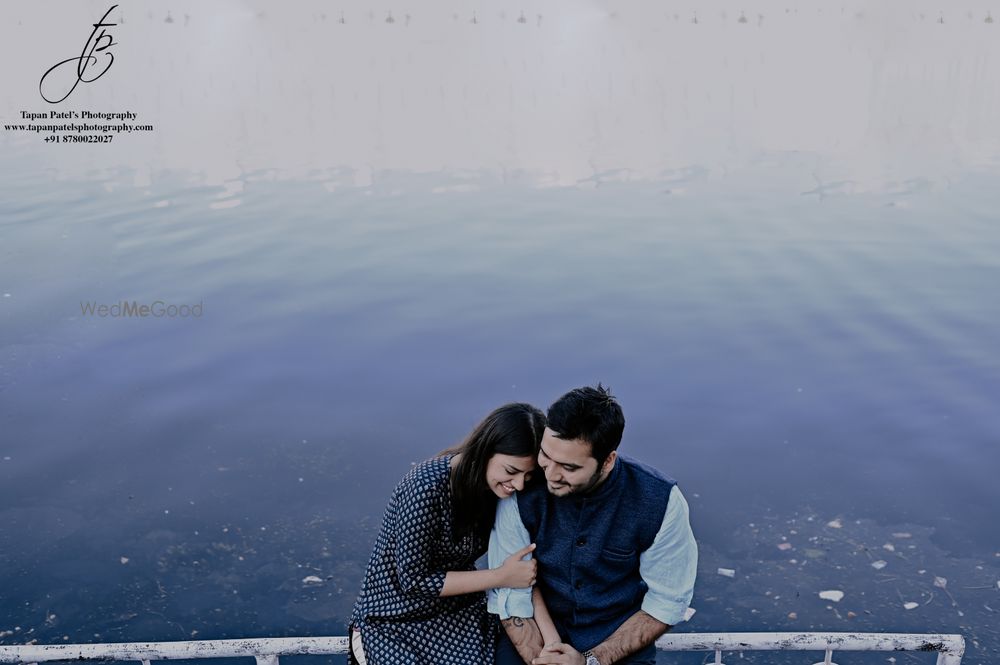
x=514 y=606
x=543 y=618
x=670 y=565
x=529 y=636
x=636 y=633
x=525 y=635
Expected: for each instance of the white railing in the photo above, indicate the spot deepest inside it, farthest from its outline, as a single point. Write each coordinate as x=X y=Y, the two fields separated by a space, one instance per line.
x=949 y=648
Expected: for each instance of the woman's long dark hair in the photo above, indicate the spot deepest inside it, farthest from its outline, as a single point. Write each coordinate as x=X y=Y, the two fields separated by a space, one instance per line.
x=513 y=429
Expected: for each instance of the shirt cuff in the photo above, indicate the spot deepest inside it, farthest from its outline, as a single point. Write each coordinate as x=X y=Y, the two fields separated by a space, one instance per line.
x=507 y=603
x=664 y=612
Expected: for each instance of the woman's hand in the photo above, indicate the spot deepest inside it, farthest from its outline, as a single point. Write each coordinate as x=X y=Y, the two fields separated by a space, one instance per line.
x=518 y=574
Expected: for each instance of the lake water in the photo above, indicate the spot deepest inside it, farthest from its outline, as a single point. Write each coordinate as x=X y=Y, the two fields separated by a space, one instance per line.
x=818 y=365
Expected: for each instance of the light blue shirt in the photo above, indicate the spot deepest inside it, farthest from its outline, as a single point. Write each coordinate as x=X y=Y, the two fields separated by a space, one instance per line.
x=668 y=567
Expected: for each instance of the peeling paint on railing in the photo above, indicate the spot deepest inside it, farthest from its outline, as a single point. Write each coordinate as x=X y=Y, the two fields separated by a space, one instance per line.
x=950 y=648
x=149 y=651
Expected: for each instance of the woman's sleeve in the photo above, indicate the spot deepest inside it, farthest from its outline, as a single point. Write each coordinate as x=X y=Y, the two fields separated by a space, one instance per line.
x=418 y=523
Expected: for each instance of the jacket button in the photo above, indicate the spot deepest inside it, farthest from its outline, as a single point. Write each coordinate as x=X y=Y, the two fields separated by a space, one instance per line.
x=581 y=542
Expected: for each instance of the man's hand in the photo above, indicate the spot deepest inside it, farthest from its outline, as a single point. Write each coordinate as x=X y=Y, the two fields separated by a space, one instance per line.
x=559 y=653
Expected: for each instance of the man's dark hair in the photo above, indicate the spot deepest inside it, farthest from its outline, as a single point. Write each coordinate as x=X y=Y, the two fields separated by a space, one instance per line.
x=591 y=414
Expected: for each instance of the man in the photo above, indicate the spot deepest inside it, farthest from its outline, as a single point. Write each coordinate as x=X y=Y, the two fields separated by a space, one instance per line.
x=616 y=556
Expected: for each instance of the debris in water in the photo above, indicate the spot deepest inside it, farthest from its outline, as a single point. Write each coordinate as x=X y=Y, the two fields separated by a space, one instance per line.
x=833 y=595
x=792 y=616
x=124 y=560
x=941 y=582
x=312 y=579
x=889 y=547
x=910 y=605
x=902 y=534
x=879 y=565
x=727 y=572
x=688 y=613
x=784 y=546
x=835 y=524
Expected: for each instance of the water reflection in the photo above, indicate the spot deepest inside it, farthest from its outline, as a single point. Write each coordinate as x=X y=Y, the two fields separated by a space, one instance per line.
x=170 y=478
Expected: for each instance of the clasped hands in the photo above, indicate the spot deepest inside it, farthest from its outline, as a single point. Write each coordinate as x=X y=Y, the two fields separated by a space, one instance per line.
x=558 y=653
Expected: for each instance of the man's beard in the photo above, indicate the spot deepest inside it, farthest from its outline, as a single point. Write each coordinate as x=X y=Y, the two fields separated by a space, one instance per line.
x=586 y=487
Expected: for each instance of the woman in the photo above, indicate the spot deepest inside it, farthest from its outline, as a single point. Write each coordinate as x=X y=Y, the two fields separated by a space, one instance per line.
x=422 y=600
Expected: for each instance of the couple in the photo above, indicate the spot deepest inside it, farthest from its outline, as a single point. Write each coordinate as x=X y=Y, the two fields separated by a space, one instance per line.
x=607 y=536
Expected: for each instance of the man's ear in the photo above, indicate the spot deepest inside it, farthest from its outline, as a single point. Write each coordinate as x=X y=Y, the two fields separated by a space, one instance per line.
x=609 y=463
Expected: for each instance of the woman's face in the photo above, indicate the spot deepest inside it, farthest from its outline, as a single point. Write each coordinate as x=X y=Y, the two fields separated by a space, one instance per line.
x=507 y=473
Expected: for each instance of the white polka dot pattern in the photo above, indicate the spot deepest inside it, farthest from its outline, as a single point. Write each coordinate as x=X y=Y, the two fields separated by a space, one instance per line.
x=402 y=618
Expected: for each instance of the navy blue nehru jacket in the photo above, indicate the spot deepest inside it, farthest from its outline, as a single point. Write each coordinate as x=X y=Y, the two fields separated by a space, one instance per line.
x=602 y=556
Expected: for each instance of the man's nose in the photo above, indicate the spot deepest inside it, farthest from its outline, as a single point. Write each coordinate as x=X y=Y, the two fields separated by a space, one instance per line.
x=552 y=472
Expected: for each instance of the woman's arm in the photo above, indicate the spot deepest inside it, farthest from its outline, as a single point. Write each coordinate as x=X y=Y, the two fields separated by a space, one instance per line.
x=457 y=582
x=514 y=573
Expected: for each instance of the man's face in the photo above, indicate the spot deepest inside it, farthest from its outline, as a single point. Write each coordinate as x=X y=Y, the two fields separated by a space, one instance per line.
x=568 y=465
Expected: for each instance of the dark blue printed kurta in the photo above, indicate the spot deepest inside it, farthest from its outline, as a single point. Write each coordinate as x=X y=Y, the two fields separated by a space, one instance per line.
x=402 y=618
